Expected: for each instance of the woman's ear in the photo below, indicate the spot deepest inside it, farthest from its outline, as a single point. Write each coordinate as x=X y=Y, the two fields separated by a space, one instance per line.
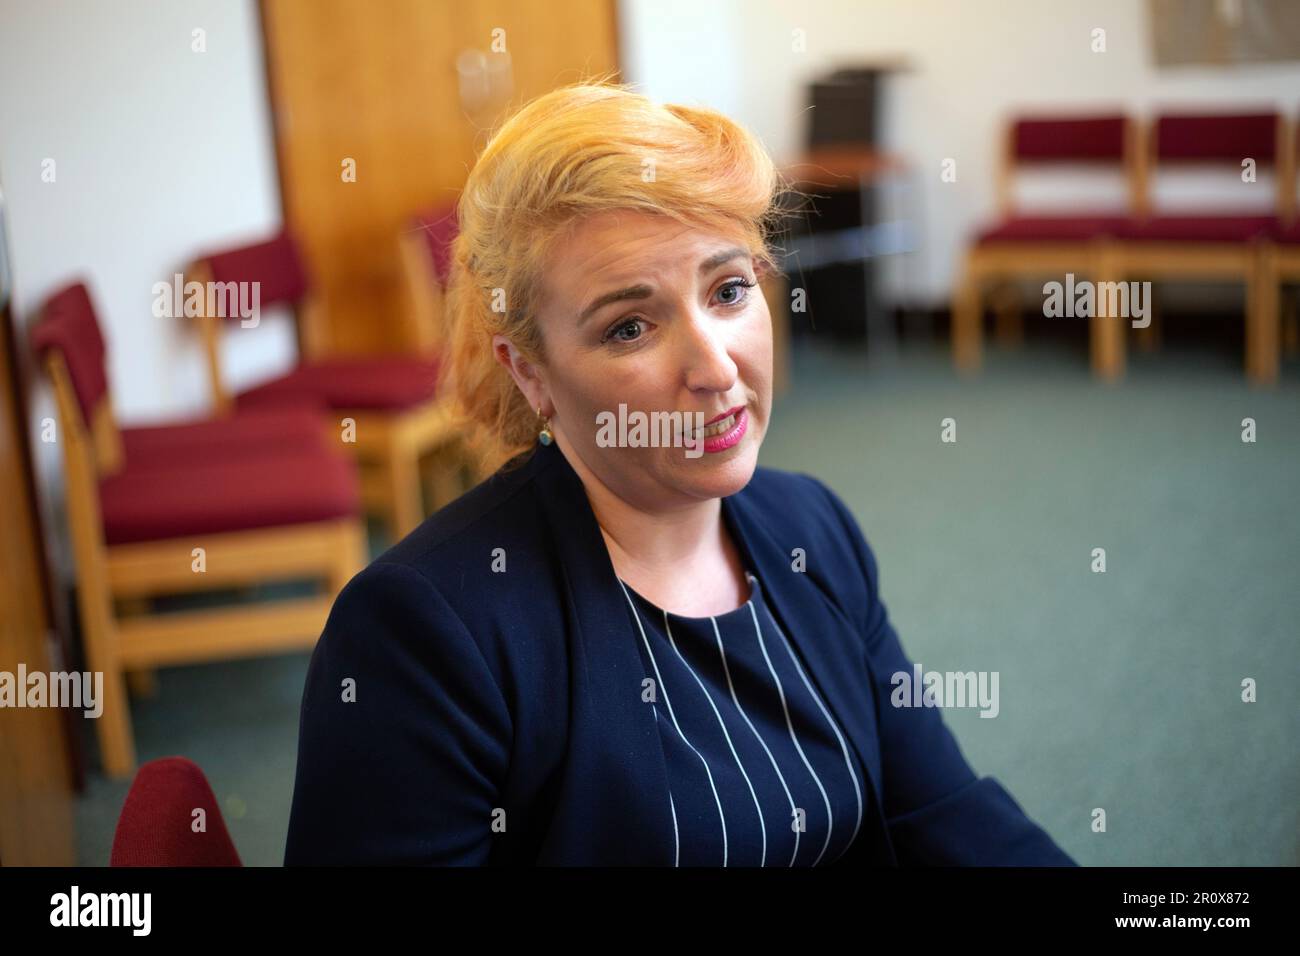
x=526 y=375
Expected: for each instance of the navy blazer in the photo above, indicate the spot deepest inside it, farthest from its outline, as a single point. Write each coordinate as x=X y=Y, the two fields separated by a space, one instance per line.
x=476 y=695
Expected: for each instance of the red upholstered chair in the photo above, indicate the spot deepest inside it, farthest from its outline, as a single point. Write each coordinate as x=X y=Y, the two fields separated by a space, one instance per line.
x=1041 y=244
x=158 y=825
x=394 y=402
x=1225 y=243
x=425 y=246
x=265 y=495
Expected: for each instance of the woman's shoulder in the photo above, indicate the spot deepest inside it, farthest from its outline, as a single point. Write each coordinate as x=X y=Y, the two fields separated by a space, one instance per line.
x=797 y=502
x=479 y=561
x=801 y=511
x=471 y=577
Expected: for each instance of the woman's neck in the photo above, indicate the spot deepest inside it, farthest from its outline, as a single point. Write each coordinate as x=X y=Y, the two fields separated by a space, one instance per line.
x=666 y=552
x=649 y=542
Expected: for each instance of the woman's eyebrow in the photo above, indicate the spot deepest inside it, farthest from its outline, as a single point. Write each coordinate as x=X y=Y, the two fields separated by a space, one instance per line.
x=717 y=259
x=631 y=292
x=643 y=291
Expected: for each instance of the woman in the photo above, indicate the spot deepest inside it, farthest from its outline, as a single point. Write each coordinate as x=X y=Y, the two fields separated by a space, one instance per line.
x=618 y=650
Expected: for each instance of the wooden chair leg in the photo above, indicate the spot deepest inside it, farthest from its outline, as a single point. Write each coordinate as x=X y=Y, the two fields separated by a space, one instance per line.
x=113 y=725
x=142 y=683
x=1290 y=322
x=1009 y=322
x=405 y=500
x=967 y=312
x=100 y=640
x=1106 y=332
x=1149 y=339
x=1262 y=320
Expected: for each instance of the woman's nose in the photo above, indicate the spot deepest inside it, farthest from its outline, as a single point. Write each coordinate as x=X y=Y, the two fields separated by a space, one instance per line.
x=705 y=354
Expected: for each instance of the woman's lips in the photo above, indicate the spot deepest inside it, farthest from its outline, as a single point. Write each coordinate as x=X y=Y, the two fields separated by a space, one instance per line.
x=718 y=418
x=730 y=434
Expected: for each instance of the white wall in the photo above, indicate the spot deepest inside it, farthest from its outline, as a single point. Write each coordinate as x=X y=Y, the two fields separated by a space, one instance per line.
x=160 y=153
x=971 y=62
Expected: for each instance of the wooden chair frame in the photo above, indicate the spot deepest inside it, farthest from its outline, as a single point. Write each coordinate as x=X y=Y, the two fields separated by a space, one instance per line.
x=1254 y=264
x=388 y=446
x=1031 y=259
x=122 y=637
x=1280 y=265
x=426 y=330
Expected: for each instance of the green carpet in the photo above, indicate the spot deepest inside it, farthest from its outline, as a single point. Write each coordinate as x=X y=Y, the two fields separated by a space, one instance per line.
x=1119 y=691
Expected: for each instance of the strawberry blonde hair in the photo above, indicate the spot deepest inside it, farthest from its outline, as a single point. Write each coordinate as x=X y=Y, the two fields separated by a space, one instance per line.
x=575 y=151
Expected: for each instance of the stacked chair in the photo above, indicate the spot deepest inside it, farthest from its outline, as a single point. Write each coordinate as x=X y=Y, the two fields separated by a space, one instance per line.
x=189 y=507
x=396 y=406
x=1042 y=245
x=425 y=250
x=1211 y=243
x=1256 y=247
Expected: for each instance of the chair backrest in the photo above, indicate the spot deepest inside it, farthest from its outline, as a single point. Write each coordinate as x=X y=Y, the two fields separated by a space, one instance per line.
x=425 y=248
x=1225 y=139
x=277 y=266
x=157 y=826
x=439 y=227
x=1074 y=139
x=67 y=339
x=1104 y=139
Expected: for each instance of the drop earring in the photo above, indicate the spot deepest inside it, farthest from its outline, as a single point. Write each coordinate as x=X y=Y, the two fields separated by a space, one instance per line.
x=545 y=436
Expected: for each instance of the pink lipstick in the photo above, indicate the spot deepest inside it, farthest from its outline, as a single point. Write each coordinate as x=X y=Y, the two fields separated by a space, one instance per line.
x=731 y=433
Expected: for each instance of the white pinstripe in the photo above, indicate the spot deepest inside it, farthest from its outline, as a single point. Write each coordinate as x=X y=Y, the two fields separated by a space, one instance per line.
x=668 y=703
x=762 y=825
x=672 y=807
x=848 y=763
x=763 y=743
x=830 y=816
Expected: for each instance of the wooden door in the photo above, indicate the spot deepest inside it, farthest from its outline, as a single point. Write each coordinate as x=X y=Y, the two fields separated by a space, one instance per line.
x=380 y=84
x=36 y=819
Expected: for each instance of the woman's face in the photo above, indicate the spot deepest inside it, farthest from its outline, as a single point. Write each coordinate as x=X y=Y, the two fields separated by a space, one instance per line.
x=642 y=311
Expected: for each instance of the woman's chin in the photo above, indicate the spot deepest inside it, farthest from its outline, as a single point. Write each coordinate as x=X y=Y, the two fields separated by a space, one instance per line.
x=718 y=474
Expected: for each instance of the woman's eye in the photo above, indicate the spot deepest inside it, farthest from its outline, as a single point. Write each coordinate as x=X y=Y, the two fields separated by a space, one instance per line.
x=615 y=331
x=741 y=287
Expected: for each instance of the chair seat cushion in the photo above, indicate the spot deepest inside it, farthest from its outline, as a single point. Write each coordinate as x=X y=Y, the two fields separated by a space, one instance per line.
x=1052 y=229
x=250 y=432
x=1199 y=228
x=184 y=498
x=372 y=383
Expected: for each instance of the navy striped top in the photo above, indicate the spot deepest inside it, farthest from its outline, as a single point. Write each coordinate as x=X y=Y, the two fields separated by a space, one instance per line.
x=759 y=772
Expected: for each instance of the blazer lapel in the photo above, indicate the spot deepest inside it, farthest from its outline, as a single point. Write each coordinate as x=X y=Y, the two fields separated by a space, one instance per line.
x=615 y=744
x=818 y=629
x=616 y=758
